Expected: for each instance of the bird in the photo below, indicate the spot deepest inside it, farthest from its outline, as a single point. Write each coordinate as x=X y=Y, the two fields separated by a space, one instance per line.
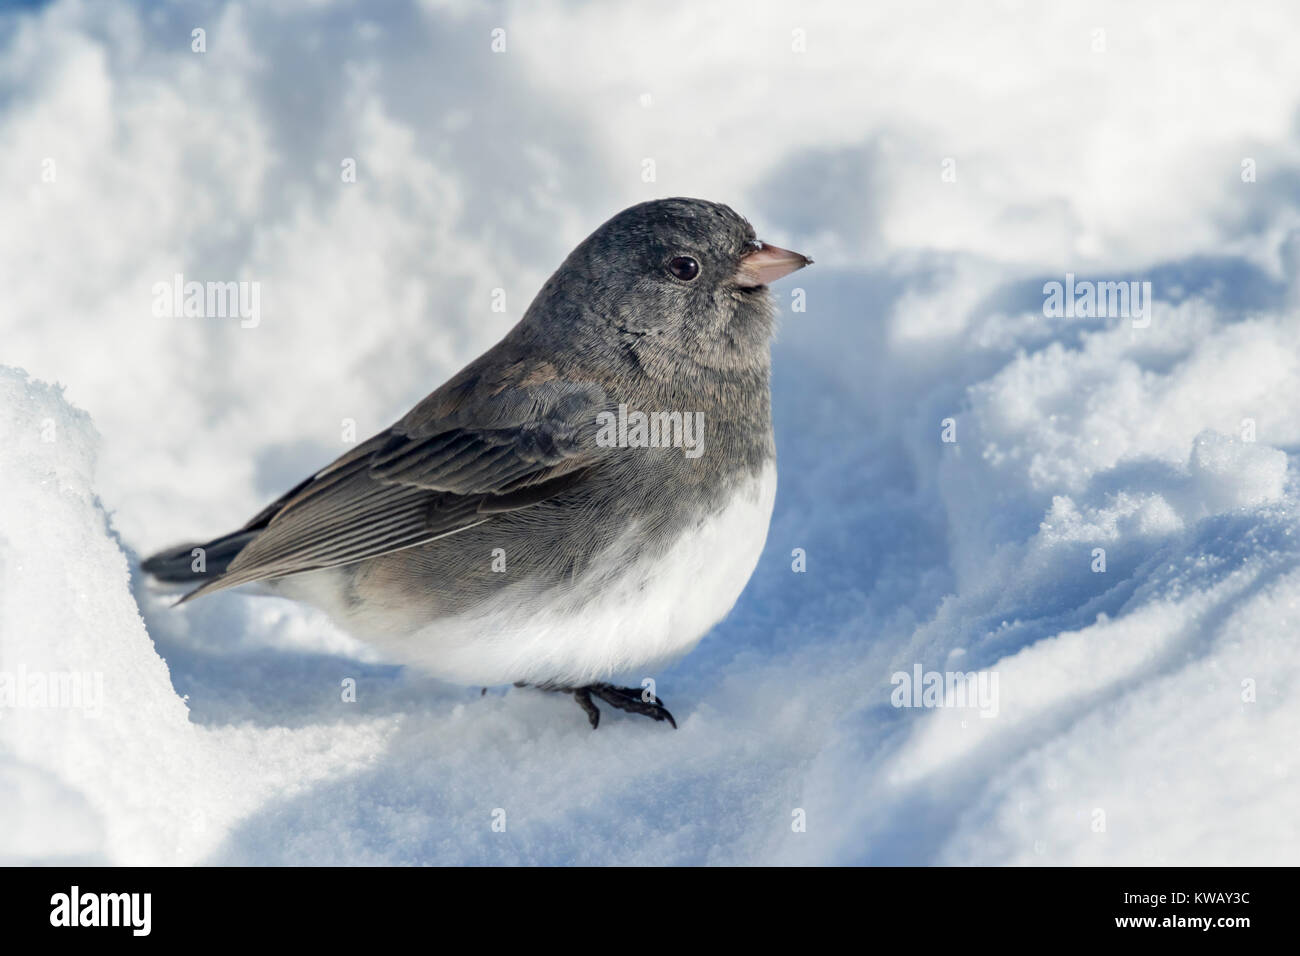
x=584 y=501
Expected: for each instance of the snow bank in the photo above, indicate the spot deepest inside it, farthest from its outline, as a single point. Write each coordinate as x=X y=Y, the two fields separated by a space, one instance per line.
x=99 y=760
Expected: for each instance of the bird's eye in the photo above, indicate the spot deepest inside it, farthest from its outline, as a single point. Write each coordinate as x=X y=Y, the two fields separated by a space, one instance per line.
x=684 y=268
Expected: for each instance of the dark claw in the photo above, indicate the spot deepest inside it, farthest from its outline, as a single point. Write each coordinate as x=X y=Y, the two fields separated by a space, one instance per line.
x=583 y=696
x=629 y=699
x=622 y=698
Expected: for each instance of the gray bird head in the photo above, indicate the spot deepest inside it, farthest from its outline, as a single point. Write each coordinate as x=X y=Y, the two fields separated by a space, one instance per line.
x=670 y=277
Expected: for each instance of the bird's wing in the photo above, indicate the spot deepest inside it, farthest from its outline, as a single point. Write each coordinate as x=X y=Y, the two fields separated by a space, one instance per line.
x=454 y=461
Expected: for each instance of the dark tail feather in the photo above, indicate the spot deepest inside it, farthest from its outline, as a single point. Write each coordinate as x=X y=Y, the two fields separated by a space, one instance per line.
x=197 y=563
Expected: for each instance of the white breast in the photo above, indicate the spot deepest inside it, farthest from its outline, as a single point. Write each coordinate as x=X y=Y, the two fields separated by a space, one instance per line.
x=637 y=620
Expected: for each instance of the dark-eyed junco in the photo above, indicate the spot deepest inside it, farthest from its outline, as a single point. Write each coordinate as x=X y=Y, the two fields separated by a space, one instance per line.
x=584 y=500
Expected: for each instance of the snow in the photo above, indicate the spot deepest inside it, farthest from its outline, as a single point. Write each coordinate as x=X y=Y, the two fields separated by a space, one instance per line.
x=1145 y=713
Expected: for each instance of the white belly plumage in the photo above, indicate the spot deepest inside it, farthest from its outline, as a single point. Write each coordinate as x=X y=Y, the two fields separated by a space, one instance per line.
x=613 y=624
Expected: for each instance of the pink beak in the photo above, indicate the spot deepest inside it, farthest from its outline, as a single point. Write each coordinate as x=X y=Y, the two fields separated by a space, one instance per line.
x=767 y=264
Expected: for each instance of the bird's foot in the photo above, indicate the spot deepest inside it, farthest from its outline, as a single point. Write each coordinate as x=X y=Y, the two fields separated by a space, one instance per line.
x=631 y=699
x=634 y=700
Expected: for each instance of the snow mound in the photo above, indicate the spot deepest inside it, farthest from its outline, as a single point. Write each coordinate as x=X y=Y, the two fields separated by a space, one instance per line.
x=97 y=753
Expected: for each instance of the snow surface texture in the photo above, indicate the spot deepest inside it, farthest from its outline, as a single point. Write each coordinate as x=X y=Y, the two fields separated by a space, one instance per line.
x=1146 y=713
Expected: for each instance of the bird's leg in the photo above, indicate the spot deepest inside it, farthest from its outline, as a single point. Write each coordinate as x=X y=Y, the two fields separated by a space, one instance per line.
x=623 y=698
x=583 y=696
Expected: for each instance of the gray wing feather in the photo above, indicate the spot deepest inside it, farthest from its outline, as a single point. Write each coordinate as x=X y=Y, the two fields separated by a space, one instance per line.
x=430 y=475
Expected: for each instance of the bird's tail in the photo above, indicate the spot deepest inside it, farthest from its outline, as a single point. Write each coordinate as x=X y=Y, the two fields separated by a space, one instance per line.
x=197 y=563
